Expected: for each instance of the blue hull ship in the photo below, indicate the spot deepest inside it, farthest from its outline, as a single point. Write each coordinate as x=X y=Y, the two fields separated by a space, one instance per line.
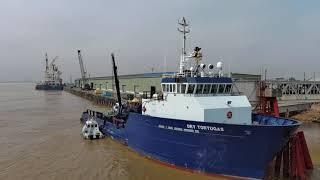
x=231 y=150
x=196 y=122
x=52 y=77
x=226 y=149
x=58 y=87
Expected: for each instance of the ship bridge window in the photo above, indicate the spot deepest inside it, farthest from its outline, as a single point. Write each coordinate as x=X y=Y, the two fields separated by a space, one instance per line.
x=214 y=89
x=206 y=88
x=167 y=87
x=174 y=88
x=221 y=88
x=191 y=88
x=228 y=88
x=183 y=88
x=163 y=87
x=199 y=89
x=170 y=87
x=178 y=88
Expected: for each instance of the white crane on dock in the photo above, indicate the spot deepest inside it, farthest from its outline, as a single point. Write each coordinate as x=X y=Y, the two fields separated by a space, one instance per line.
x=83 y=72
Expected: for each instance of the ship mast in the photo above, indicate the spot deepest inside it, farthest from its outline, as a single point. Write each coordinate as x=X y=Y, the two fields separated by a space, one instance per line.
x=46 y=61
x=184 y=30
x=47 y=74
x=114 y=67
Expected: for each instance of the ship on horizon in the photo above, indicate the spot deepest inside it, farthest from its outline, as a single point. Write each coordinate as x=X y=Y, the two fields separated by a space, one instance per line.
x=52 y=80
x=197 y=123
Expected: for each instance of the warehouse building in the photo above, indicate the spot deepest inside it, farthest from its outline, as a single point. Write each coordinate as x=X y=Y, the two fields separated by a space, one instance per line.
x=138 y=83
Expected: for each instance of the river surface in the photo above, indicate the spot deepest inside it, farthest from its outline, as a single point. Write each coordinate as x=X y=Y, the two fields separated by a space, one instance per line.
x=40 y=139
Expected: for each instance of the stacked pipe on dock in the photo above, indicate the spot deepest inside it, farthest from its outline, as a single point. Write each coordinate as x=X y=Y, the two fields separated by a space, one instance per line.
x=96 y=99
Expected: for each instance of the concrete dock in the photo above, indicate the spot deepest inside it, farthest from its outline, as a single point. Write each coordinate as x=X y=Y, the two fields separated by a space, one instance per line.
x=97 y=99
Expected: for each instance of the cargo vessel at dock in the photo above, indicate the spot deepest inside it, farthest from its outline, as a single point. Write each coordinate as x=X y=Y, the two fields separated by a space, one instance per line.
x=52 y=80
x=197 y=123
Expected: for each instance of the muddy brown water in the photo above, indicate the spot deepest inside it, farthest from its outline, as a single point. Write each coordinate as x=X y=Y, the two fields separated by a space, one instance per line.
x=40 y=139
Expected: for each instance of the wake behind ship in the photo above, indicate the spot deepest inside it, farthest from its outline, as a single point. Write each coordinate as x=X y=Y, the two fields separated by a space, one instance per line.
x=196 y=122
x=52 y=80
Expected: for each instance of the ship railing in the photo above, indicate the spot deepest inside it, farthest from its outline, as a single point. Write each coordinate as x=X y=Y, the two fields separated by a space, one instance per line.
x=168 y=75
x=146 y=95
x=208 y=95
x=156 y=96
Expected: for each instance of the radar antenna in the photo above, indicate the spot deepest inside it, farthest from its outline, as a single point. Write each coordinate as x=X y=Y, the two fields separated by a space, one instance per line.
x=184 y=30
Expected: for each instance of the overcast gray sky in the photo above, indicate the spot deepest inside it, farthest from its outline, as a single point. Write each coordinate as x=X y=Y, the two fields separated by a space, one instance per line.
x=283 y=36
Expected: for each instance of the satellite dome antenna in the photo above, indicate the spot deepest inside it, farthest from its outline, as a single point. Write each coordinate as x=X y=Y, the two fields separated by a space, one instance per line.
x=219 y=66
x=184 y=30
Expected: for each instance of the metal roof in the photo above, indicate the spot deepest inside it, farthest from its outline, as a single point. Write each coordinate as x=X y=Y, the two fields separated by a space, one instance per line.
x=198 y=80
x=160 y=74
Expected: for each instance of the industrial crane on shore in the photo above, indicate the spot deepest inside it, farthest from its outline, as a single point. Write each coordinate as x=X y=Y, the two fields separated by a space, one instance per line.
x=85 y=85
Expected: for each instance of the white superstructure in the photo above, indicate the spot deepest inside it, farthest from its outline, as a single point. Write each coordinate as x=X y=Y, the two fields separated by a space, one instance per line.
x=52 y=73
x=199 y=92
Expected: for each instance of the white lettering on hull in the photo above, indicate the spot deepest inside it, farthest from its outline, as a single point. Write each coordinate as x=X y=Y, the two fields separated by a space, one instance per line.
x=207 y=128
x=193 y=128
x=178 y=128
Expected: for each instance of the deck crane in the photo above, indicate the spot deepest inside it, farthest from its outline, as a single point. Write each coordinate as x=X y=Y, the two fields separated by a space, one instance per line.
x=53 y=60
x=85 y=85
x=54 y=68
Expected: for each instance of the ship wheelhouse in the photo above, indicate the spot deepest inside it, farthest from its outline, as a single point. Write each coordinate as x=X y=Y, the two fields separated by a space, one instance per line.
x=204 y=99
x=199 y=86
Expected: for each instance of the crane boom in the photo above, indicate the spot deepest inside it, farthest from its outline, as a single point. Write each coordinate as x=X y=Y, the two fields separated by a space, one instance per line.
x=115 y=72
x=85 y=85
x=53 y=60
x=83 y=73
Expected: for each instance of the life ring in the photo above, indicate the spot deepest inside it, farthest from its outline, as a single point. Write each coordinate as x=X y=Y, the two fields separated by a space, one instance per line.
x=229 y=115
